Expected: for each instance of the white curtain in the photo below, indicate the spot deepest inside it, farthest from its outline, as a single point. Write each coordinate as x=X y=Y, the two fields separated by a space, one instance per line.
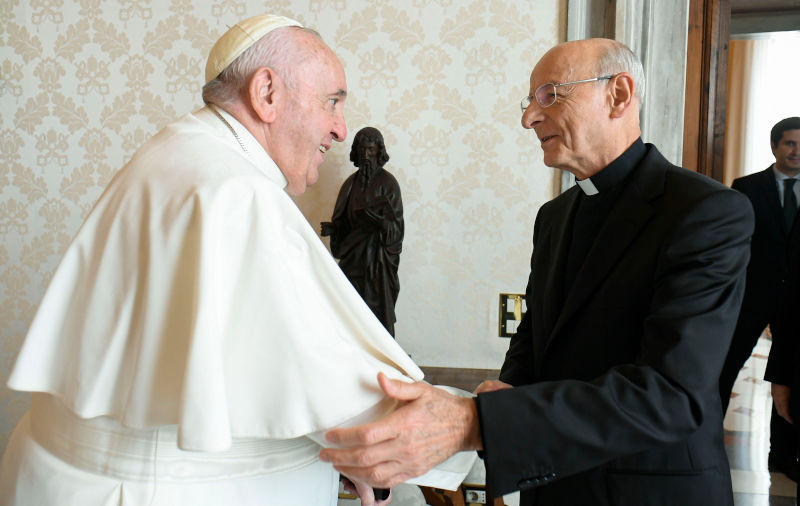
x=763 y=88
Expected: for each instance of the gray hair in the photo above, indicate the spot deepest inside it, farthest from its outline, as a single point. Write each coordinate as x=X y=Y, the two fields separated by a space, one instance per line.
x=277 y=50
x=616 y=57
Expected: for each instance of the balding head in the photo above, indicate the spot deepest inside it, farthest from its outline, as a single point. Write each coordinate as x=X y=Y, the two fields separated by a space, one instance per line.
x=589 y=124
x=604 y=57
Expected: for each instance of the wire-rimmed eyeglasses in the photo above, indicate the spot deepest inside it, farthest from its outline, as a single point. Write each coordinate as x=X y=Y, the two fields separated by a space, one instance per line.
x=546 y=94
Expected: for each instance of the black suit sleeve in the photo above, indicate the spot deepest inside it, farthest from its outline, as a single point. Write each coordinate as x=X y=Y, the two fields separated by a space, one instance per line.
x=539 y=432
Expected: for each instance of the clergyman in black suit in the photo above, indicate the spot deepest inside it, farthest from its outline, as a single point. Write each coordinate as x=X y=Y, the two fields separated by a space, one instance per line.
x=774 y=194
x=609 y=391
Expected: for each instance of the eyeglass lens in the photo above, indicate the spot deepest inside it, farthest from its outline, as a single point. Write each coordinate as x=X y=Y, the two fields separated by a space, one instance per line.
x=546 y=94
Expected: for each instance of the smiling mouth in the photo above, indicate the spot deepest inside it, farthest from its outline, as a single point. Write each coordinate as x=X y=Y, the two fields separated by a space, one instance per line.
x=546 y=138
x=323 y=149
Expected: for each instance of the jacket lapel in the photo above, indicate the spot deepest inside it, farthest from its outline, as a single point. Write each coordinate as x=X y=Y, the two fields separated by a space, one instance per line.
x=629 y=215
x=561 y=231
x=556 y=243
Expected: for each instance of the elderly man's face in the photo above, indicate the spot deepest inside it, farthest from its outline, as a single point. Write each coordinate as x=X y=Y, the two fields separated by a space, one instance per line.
x=787 y=152
x=311 y=120
x=572 y=130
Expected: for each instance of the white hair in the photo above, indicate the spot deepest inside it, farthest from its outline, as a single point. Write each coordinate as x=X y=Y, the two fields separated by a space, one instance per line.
x=616 y=57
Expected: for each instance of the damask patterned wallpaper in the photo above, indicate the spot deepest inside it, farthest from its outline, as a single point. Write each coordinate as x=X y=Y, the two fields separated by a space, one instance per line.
x=83 y=83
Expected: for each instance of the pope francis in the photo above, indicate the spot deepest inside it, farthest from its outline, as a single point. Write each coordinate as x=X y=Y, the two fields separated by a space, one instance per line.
x=197 y=337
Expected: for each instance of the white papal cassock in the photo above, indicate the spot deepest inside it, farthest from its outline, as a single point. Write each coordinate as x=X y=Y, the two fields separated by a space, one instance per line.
x=193 y=336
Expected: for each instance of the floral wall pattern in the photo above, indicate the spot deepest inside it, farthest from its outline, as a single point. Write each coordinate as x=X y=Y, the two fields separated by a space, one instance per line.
x=83 y=83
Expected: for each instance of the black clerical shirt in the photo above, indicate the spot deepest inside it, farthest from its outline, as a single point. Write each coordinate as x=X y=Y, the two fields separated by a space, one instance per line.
x=592 y=210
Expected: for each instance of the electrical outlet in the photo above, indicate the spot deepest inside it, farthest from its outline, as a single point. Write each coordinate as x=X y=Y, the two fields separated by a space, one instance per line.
x=512 y=308
x=475 y=496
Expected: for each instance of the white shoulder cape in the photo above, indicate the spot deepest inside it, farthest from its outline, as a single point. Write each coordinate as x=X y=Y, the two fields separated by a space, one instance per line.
x=197 y=294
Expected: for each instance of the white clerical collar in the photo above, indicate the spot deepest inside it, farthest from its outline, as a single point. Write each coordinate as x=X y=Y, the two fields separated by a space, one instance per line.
x=615 y=172
x=588 y=187
x=250 y=147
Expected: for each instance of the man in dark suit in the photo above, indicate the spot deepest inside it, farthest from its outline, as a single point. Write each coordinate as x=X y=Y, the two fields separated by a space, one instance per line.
x=609 y=389
x=770 y=276
x=783 y=367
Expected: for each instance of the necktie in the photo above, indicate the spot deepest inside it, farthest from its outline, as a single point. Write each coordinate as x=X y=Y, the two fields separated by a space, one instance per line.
x=789 y=202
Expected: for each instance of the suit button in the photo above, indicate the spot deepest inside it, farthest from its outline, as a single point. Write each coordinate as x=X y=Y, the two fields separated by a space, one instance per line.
x=532 y=482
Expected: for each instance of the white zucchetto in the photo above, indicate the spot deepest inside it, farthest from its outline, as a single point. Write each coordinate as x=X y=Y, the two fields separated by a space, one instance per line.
x=239 y=38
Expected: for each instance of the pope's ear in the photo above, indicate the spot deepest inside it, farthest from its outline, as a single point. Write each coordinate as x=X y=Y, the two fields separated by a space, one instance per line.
x=621 y=93
x=263 y=93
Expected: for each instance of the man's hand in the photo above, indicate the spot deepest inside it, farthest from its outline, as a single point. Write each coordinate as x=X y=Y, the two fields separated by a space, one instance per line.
x=780 y=397
x=364 y=492
x=491 y=386
x=429 y=428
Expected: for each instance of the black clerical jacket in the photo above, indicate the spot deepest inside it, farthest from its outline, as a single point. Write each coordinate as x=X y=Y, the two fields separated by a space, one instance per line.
x=616 y=399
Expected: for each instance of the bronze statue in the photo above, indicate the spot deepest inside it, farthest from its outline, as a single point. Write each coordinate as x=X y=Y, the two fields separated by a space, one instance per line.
x=366 y=229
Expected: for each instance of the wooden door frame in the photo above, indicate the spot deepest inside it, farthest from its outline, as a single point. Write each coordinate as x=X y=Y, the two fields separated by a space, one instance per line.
x=706 y=90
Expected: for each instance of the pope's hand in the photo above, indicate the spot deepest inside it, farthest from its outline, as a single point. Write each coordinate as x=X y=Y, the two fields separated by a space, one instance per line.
x=431 y=426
